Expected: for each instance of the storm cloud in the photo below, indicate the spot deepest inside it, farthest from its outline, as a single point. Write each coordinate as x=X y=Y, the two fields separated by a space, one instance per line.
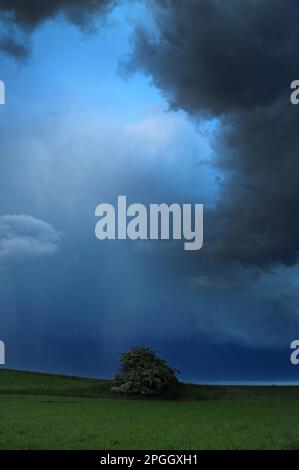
x=234 y=61
x=18 y=19
x=73 y=302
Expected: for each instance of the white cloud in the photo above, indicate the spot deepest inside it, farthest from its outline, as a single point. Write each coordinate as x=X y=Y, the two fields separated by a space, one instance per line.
x=24 y=236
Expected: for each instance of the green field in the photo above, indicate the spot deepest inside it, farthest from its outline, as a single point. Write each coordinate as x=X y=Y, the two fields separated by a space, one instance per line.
x=40 y=411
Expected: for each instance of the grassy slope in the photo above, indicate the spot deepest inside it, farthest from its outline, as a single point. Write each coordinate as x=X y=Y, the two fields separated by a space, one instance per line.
x=29 y=383
x=43 y=411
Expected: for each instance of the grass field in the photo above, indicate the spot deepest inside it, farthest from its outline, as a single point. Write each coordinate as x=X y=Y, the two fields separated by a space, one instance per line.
x=40 y=411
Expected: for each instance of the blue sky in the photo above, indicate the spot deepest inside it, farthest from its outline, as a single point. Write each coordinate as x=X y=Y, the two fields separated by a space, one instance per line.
x=77 y=130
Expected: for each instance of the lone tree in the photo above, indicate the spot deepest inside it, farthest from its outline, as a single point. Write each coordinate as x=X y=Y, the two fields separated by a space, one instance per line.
x=142 y=372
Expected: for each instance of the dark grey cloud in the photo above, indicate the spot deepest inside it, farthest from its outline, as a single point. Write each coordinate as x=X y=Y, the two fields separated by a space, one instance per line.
x=11 y=46
x=19 y=18
x=220 y=56
x=235 y=60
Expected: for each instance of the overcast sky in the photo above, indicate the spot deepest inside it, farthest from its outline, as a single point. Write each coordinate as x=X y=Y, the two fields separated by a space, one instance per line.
x=161 y=102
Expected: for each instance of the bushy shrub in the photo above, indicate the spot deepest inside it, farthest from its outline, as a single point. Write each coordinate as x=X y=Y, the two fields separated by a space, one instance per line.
x=142 y=372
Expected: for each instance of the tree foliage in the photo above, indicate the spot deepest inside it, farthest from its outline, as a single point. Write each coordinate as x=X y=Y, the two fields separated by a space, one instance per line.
x=142 y=372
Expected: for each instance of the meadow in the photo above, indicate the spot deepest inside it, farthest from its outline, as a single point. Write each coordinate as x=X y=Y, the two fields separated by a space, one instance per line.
x=39 y=411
